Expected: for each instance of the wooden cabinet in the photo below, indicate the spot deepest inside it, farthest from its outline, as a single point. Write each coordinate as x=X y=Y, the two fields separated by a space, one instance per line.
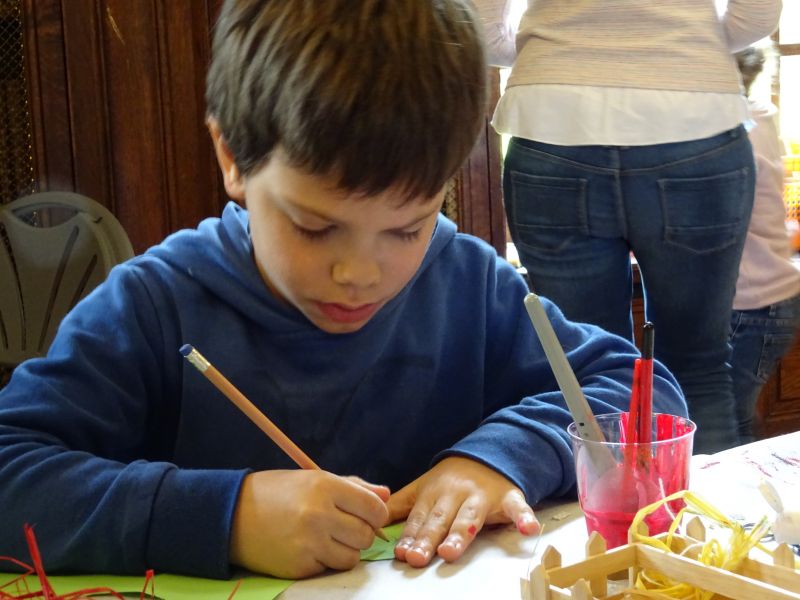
x=116 y=91
x=778 y=408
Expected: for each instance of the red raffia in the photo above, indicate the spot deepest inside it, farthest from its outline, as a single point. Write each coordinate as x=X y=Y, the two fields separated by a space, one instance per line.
x=22 y=590
x=235 y=589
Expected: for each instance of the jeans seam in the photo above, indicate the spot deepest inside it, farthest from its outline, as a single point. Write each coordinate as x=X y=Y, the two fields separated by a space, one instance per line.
x=702 y=156
x=567 y=161
x=726 y=146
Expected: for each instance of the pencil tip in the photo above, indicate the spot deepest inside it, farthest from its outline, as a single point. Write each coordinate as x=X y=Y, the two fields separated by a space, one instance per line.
x=186 y=349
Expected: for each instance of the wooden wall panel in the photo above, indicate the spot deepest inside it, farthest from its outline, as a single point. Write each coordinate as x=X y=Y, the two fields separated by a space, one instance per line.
x=480 y=195
x=184 y=63
x=130 y=48
x=118 y=113
x=44 y=41
x=87 y=101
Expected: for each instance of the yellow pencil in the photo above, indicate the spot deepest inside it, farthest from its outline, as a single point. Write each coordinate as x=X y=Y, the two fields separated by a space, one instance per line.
x=256 y=416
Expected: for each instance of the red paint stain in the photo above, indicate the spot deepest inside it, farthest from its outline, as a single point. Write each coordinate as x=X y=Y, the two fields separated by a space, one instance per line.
x=787 y=459
x=758 y=466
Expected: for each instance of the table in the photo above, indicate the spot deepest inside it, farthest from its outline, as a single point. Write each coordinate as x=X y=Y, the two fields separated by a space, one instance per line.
x=497 y=560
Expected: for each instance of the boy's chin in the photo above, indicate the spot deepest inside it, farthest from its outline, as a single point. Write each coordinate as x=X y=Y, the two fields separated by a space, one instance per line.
x=335 y=327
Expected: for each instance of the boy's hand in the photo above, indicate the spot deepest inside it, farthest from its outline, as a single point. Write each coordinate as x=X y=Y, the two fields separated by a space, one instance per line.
x=447 y=506
x=294 y=524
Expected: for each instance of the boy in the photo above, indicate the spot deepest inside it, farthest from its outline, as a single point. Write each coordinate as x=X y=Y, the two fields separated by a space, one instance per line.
x=341 y=302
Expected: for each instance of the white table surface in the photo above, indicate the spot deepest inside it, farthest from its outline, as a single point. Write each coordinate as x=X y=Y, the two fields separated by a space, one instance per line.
x=493 y=566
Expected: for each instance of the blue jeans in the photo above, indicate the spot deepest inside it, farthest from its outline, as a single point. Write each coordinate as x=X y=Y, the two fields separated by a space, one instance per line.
x=575 y=214
x=759 y=338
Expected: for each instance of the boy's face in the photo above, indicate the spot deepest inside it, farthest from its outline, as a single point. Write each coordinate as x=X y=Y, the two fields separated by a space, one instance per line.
x=335 y=256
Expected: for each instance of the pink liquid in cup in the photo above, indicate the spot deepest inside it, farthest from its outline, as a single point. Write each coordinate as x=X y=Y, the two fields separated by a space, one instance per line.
x=640 y=475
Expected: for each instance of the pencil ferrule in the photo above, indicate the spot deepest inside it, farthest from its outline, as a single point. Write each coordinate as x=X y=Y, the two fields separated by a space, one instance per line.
x=198 y=360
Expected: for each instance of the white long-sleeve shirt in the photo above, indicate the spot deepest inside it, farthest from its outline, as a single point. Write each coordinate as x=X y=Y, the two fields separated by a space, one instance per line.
x=766 y=273
x=622 y=72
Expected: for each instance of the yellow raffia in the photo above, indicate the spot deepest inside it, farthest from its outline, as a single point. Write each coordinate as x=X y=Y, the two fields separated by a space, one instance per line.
x=652 y=584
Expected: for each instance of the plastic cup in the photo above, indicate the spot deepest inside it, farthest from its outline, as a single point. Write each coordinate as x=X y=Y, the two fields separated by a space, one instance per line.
x=612 y=490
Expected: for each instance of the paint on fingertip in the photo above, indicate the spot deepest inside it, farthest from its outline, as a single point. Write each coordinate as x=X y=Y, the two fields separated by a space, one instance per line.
x=472 y=530
x=527 y=524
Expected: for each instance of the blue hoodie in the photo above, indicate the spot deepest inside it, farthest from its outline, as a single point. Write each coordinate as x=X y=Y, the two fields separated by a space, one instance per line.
x=125 y=457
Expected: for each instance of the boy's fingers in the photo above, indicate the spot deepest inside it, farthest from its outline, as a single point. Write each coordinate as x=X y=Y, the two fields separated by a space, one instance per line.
x=352 y=532
x=520 y=513
x=415 y=519
x=467 y=524
x=430 y=528
x=338 y=556
x=401 y=502
x=381 y=491
x=367 y=506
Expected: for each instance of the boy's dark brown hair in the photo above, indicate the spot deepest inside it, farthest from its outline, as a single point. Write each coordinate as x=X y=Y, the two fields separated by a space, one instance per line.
x=379 y=93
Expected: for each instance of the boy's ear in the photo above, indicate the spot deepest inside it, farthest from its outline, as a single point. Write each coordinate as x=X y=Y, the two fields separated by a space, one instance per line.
x=234 y=182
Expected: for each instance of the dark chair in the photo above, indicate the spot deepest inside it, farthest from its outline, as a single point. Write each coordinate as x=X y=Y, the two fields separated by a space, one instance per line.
x=55 y=247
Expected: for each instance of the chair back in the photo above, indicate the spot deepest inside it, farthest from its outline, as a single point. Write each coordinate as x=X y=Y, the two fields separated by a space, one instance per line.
x=55 y=247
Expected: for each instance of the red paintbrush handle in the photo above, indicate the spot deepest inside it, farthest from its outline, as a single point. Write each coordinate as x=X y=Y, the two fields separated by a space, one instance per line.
x=646 y=402
x=631 y=431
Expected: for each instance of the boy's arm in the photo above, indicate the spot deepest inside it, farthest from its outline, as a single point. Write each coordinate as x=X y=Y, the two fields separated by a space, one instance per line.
x=520 y=453
x=81 y=436
x=524 y=434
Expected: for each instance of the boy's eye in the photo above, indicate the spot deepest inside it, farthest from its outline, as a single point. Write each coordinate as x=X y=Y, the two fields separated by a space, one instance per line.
x=313 y=234
x=408 y=236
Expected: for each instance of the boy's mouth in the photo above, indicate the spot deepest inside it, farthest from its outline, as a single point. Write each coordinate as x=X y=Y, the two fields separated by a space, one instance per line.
x=342 y=313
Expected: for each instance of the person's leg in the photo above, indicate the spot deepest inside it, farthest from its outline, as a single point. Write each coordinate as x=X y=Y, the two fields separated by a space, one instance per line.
x=564 y=214
x=689 y=206
x=759 y=339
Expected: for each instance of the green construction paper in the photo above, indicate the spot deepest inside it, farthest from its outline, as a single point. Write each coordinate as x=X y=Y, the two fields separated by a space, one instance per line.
x=381 y=549
x=168 y=587
x=178 y=587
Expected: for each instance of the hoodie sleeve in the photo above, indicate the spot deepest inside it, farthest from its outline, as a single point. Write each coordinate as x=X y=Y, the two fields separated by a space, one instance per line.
x=84 y=436
x=524 y=433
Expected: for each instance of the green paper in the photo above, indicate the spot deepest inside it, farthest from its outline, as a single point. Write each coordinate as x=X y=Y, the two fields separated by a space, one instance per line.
x=381 y=549
x=178 y=587
x=168 y=587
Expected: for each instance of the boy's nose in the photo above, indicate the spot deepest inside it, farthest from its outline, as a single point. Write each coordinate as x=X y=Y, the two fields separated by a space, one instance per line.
x=361 y=272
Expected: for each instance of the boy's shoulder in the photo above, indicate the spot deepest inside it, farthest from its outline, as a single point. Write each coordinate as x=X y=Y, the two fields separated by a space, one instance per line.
x=462 y=258
x=214 y=252
x=447 y=237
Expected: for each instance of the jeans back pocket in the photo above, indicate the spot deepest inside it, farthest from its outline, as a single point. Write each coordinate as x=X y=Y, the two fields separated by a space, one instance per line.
x=705 y=214
x=546 y=211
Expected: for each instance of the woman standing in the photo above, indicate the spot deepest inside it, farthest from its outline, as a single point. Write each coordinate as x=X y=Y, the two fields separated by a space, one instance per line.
x=626 y=123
